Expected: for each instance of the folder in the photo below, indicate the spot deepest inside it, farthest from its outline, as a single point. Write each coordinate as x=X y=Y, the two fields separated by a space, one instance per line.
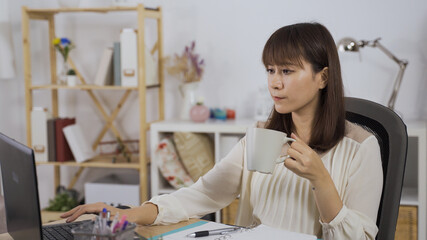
x=63 y=151
x=78 y=143
x=104 y=74
x=129 y=57
x=51 y=140
x=39 y=117
x=117 y=65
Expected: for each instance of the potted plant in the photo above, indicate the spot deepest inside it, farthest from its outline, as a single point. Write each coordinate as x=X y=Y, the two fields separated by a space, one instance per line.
x=64 y=46
x=71 y=77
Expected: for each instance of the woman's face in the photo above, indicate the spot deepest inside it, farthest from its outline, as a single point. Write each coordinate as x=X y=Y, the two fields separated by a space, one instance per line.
x=295 y=89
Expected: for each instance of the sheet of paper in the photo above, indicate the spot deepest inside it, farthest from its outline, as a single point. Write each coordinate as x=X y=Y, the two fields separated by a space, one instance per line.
x=260 y=232
x=266 y=232
x=206 y=226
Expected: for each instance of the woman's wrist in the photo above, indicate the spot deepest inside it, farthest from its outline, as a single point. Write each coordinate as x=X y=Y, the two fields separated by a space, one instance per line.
x=145 y=214
x=322 y=181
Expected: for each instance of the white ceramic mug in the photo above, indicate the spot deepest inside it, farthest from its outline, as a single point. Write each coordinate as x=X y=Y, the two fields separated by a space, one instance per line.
x=263 y=149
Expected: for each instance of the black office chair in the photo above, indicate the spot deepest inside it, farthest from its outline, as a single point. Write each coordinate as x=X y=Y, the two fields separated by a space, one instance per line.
x=391 y=133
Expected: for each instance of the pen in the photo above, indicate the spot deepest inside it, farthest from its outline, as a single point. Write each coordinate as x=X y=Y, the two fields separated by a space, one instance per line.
x=125 y=225
x=114 y=222
x=120 y=224
x=220 y=231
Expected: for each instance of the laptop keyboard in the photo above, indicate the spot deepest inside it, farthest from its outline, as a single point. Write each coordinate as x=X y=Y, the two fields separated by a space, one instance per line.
x=60 y=231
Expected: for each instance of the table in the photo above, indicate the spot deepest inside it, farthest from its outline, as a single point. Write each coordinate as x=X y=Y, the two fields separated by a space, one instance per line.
x=145 y=231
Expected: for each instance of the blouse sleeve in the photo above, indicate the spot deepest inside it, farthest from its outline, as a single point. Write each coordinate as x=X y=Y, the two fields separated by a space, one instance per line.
x=213 y=191
x=357 y=218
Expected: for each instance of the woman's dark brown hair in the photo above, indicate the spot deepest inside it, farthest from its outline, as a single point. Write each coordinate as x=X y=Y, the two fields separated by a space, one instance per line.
x=312 y=43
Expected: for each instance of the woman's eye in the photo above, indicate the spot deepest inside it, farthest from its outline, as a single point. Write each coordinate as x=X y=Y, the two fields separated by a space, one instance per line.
x=286 y=71
x=269 y=70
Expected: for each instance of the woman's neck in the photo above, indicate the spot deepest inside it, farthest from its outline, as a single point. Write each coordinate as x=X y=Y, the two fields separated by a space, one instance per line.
x=303 y=121
x=302 y=126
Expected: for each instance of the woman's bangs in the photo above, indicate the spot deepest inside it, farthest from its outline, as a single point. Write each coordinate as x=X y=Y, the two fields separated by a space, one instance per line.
x=281 y=52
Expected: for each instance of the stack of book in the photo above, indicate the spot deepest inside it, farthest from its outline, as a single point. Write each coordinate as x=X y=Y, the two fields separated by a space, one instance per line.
x=66 y=141
x=58 y=148
x=119 y=64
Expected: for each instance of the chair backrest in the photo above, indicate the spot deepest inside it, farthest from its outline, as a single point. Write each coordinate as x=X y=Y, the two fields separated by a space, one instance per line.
x=391 y=133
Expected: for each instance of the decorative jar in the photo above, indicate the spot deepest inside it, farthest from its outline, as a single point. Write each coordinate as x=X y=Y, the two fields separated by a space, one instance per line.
x=199 y=113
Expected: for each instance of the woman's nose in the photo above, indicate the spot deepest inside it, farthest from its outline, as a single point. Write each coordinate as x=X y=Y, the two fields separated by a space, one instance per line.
x=276 y=82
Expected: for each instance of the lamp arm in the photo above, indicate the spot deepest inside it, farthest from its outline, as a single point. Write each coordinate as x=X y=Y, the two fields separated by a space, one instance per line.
x=377 y=44
x=402 y=66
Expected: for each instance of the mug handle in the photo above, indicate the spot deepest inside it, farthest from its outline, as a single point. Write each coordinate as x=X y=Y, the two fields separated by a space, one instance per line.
x=284 y=157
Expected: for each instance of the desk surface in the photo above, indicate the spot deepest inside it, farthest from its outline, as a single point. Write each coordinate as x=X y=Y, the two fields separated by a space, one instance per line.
x=145 y=231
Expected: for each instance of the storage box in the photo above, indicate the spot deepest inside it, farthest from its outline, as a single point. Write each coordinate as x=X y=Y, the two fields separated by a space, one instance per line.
x=114 y=189
x=407 y=223
x=86 y=232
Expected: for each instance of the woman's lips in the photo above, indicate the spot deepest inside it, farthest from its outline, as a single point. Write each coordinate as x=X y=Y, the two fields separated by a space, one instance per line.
x=278 y=98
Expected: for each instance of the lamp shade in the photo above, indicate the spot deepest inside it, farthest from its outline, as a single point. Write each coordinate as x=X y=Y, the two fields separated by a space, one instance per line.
x=348 y=45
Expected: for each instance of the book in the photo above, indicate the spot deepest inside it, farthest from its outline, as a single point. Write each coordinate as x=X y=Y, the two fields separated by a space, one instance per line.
x=104 y=74
x=129 y=57
x=63 y=151
x=51 y=140
x=116 y=65
x=78 y=143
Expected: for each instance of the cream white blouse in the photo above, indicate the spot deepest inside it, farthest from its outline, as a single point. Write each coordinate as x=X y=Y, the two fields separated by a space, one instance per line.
x=283 y=199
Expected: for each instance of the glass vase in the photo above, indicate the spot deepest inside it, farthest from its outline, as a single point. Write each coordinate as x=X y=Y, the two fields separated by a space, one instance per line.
x=62 y=78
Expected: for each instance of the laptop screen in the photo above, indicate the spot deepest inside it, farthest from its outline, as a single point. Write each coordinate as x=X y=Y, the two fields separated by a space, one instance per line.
x=20 y=189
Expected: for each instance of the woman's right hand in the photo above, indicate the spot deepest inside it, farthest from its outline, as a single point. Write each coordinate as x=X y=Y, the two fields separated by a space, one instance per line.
x=143 y=215
x=94 y=208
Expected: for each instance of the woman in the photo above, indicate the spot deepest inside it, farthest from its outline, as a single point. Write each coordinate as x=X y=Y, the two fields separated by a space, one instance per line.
x=330 y=187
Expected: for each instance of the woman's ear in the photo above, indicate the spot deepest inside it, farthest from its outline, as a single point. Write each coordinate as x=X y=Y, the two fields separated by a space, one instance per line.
x=324 y=77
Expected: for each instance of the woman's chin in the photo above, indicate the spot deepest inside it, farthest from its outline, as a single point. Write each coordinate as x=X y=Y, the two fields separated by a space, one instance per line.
x=282 y=110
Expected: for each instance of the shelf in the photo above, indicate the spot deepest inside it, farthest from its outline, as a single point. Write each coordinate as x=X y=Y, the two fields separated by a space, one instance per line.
x=409 y=196
x=87 y=87
x=41 y=13
x=141 y=14
x=100 y=163
x=210 y=126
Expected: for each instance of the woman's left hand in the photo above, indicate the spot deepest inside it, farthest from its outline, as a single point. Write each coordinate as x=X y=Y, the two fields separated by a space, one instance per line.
x=305 y=162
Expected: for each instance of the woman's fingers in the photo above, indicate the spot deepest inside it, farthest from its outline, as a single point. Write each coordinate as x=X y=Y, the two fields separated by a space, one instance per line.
x=76 y=212
x=299 y=145
x=70 y=212
x=295 y=154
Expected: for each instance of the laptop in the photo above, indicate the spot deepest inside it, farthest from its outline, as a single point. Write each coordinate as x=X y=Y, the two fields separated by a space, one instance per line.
x=21 y=197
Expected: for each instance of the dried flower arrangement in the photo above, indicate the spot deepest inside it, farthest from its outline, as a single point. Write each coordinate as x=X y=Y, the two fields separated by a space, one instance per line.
x=188 y=65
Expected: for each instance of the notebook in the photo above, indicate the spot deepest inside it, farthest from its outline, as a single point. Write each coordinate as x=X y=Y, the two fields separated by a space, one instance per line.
x=21 y=197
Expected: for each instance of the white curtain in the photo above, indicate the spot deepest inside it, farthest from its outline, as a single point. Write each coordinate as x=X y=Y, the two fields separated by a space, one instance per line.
x=7 y=66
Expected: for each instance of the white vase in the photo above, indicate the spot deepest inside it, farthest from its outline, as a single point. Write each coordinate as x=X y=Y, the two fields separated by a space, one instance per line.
x=71 y=80
x=188 y=93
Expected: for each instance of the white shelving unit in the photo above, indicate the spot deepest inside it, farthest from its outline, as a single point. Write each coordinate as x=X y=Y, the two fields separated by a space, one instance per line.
x=414 y=192
x=216 y=129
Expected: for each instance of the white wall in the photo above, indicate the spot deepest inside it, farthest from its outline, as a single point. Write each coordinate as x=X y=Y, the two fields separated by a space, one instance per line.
x=230 y=36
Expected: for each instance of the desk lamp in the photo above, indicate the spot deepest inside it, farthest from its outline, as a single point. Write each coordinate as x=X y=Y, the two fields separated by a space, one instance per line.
x=350 y=45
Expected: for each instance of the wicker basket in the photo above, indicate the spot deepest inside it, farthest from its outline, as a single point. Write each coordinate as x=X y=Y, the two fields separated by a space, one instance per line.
x=407 y=223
